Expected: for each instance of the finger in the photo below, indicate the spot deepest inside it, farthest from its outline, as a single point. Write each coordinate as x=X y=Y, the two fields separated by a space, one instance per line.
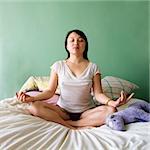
x=28 y=99
x=125 y=95
x=21 y=96
x=124 y=98
x=20 y=93
x=26 y=95
x=122 y=95
x=130 y=96
x=16 y=94
x=119 y=100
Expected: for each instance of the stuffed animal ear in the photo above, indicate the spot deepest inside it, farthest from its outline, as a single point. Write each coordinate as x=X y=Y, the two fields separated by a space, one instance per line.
x=115 y=122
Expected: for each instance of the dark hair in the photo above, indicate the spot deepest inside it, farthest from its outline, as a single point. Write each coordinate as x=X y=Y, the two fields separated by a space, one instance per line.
x=82 y=36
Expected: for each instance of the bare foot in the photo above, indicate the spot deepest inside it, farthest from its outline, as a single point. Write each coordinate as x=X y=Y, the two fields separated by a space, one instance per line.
x=86 y=127
x=75 y=124
x=72 y=123
x=71 y=127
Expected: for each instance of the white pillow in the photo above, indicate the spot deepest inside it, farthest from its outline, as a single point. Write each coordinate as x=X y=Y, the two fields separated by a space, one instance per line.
x=112 y=86
x=41 y=82
x=29 y=85
x=35 y=83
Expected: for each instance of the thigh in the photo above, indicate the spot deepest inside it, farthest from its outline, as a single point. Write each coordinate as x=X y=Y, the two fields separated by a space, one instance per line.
x=43 y=105
x=100 y=110
x=62 y=112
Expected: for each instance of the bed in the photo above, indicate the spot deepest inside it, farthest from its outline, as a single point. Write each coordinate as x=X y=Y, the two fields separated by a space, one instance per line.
x=22 y=131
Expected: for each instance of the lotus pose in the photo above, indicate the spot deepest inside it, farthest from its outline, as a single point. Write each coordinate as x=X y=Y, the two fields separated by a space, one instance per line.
x=76 y=76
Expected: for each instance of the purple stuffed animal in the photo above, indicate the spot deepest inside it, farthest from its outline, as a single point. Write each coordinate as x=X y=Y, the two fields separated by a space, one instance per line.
x=136 y=112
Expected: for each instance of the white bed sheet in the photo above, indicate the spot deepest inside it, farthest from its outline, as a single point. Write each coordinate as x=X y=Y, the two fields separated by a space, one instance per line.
x=21 y=131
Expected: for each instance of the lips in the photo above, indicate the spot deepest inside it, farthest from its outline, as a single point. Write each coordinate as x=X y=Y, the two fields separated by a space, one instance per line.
x=75 y=47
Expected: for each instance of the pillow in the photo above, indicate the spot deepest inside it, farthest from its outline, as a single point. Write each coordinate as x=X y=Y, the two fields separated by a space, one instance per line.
x=112 y=86
x=36 y=83
x=52 y=100
x=42 y=82
x=29 y=85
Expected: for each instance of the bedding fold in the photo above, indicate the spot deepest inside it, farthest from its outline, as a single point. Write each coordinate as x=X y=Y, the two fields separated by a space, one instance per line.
x=22 y=131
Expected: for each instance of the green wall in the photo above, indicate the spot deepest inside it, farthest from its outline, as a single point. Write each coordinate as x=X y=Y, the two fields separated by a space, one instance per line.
x=32 y=38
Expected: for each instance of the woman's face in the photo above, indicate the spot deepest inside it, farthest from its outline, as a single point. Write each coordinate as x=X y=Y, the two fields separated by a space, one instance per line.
x=75 y=44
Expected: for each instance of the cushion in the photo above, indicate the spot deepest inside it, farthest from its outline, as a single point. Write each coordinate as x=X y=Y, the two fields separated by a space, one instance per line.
x=29 y=85
x=52 y=100
x=42 y=82
x=112 y=86
x=36 y=83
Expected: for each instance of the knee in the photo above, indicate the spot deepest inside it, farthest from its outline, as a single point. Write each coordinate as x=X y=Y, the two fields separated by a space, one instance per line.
x=111 y=109
x=35 y=108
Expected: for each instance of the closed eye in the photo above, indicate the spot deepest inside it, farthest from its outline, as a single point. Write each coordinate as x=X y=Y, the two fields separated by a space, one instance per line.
x=80 y=40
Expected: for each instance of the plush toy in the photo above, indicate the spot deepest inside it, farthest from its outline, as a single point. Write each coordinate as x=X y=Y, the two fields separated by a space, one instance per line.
x=136 y=112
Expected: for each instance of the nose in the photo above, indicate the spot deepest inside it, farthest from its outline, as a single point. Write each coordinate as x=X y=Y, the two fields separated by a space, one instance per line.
x=75 y=41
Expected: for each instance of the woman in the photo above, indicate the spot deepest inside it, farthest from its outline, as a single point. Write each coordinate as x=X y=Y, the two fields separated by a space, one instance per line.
x=76 y=76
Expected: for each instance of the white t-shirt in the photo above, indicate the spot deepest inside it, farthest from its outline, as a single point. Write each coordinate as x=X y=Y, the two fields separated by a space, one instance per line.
x=75 y=92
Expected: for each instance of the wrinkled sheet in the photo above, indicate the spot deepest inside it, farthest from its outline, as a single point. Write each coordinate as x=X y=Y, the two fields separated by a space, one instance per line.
x=22 y=131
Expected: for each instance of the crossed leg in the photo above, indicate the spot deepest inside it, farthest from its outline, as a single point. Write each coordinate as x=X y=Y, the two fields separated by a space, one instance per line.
x=93 y=117
x=50 y=112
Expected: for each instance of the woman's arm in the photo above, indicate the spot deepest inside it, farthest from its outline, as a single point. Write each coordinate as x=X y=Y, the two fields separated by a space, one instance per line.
x=53 y=82
x=98 y=91
x=102 y=98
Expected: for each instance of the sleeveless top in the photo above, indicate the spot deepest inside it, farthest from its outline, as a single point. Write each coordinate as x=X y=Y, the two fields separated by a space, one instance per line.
x=75 y=91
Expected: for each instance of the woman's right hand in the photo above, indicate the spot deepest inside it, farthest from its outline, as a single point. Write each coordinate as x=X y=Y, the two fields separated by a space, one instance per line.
x=25 y=98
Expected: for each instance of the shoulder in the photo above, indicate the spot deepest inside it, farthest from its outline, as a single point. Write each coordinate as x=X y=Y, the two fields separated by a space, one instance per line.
x=95 y=68
x=57 y=65
x=94 y=65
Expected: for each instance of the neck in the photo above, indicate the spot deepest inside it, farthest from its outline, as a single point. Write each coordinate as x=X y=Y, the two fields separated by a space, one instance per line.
x=75 y=60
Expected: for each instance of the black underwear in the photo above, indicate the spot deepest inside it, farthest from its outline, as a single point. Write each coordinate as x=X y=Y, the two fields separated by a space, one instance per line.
x=74 y=116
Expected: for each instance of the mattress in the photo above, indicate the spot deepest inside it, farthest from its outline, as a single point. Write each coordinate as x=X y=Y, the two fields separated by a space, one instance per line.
x=22 y=131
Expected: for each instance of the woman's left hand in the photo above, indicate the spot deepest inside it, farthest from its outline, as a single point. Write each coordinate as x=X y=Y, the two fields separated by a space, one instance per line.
x=123 y=99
